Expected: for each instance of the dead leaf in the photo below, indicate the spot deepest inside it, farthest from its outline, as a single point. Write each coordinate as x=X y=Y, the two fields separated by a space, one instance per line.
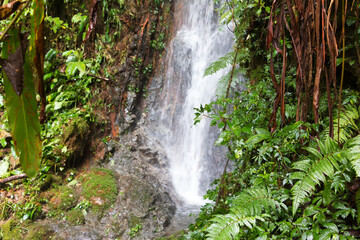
x=8 y=9
x=13 y=68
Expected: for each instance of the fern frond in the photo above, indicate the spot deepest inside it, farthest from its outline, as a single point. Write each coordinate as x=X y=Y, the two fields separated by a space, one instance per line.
x=226 y=227
x=314 y=172
x=223 y=82
x=353 y=153
x=358 y=205
x=346 y=122
x=253 y=201
x=219 y=64
x=247 y=208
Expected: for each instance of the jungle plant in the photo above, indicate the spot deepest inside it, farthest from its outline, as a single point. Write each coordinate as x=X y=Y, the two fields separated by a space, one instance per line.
x=135 y=230
x=20 y=87
x=296 y=170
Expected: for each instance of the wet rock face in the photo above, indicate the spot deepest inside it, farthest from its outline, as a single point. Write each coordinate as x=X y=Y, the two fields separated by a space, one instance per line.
x=143 y=207
x=128 y=196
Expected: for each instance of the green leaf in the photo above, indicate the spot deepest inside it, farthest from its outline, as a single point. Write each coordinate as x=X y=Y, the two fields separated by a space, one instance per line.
x=219 y=64
x=262 y=135
x=3 y=142
x=72 y=58
x=247 y=211
x=72 y=67
x=22 y=113
x=81 y=67
x=4 y=166
x=312 y=173
x=58 y=105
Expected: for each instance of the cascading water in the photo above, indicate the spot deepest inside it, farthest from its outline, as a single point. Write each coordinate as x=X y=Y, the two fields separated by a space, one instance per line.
x=193 y=159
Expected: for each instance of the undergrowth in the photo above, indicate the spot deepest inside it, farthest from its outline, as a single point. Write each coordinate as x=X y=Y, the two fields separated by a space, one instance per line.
x=290 y=180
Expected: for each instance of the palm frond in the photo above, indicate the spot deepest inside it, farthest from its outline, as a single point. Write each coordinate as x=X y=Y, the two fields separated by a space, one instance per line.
x=312 y=172
x=248 y=208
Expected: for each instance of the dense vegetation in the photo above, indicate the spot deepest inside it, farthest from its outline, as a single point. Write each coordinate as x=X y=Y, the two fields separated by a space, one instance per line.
x=293 y=134
x=85 y=87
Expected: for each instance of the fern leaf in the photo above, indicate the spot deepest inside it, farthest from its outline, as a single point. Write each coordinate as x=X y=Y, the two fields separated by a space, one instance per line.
x=223 y=82
x=226 y=227
x=247 y=209
x=312 y=173
x=345 y=126
x=219 y=64
x=358 y=206
x=353 y=153
x=302 y=166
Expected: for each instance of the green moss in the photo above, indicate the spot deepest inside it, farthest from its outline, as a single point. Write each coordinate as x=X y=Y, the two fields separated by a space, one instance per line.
x=99 y=187
x=75 y=217
x=134 y=221
x=63 y=198
x=77 y=127
x=47 y=182
x=39 y=233
x=74 y=139
x=10 y=230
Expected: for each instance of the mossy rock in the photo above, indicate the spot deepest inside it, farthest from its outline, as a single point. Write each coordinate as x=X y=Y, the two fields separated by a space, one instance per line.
x=11 y=230
x=175 y=236
x=74 y=138
x=134 y=221
x=75 y=217
x=39 y=233
x=63 y=198
x=47 y=182
x=99 y=188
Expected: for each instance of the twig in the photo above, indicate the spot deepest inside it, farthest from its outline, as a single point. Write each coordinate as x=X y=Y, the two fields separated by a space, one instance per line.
x=222 y=181
x=12 y=178
x=102 y=78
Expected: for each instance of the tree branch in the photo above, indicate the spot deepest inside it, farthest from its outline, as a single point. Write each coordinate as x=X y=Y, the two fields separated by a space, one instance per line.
x=12 y=178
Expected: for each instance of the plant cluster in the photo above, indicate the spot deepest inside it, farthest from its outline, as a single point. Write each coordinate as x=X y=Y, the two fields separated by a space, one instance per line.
x=292 y=177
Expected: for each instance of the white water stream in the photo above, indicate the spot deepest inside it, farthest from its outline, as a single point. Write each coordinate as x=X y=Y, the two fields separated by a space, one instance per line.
x=193 y=159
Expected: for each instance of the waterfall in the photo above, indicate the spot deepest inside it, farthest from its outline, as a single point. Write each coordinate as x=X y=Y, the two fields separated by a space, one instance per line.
x=194 y=161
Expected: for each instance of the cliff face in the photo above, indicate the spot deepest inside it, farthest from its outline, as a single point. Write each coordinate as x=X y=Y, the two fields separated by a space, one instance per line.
x=120 y=188
x=143 y=206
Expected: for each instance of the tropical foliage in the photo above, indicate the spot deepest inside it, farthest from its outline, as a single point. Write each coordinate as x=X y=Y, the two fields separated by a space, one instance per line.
x=19 y=83
x=295 y=171
x=83 y=97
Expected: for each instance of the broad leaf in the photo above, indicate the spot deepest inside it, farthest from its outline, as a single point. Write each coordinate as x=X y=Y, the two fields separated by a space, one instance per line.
x=22 y=113
x=4 y=166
